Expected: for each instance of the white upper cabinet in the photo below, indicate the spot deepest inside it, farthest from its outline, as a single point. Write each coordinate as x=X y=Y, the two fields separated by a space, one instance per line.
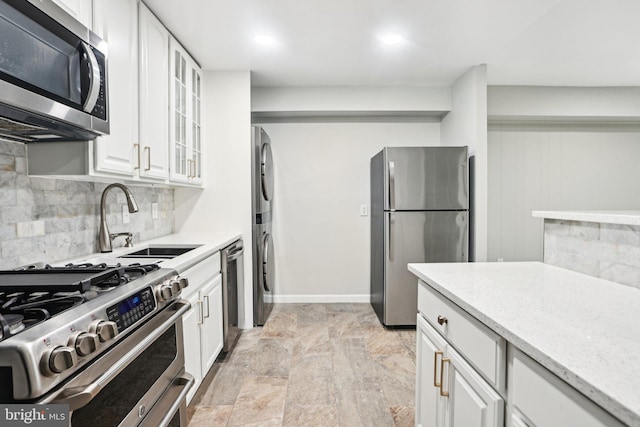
x=196 y=124
x=185 y=126
x=154 y=96
x=116 y=21
x=79 y=9
x=155 y=104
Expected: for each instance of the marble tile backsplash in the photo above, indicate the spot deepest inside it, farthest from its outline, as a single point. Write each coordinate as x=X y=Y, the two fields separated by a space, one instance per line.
x=46 y=219
x=607 y=251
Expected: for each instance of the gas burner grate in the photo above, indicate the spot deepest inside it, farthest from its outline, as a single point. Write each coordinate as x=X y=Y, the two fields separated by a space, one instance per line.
x=21 y=310
x=33 y=294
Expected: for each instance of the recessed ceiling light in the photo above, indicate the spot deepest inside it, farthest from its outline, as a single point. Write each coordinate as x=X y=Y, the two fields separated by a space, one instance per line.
x=264 y=40
x=391 y=39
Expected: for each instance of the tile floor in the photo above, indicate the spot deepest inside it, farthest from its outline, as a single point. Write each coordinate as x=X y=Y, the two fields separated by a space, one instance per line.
x=313 y=365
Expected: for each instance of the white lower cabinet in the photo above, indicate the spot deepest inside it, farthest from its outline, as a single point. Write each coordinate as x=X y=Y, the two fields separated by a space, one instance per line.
x=537 y=398
x=191 y=337
x=471 y=401
x=449 y=392
x=430 y=348
x=202 y=324
x=467 y=375
x=211 y=326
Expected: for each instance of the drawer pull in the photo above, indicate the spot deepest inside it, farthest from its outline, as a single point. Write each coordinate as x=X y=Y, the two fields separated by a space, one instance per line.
x=435 y=368
x=442 y=320
x=442 y=362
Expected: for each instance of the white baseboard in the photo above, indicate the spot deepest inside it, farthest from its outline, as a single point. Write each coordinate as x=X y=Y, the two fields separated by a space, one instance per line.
x=321 y=298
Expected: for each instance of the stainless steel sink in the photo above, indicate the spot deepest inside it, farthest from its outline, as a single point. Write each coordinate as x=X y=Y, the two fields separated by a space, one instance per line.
x=166 y=252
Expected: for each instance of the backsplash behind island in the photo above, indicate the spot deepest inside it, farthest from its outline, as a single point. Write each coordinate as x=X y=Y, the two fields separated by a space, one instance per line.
x=607 y=251
x=47 y=219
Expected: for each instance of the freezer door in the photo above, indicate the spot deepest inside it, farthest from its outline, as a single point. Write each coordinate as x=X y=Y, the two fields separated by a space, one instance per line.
x=425 y=178
x=417 y=237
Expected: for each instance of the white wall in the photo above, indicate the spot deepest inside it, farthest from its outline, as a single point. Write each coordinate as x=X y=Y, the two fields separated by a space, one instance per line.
x=321 y=179
x=466 y=124
x=552 y=104
x=555 y=148
x=555 y=168
x=351 y=99
x=225 y=203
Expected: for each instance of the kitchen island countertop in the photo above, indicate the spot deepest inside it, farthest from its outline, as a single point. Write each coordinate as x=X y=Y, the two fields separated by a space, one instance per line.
x=583 y=329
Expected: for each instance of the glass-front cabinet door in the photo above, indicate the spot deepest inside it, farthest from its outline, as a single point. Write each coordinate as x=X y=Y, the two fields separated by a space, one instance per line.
x=185 y=125
x=196 y=125
x=178 y=114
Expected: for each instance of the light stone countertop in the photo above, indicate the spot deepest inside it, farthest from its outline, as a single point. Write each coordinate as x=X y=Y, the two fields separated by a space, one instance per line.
x=208 y=244
x=584 y=329
x=609 y=217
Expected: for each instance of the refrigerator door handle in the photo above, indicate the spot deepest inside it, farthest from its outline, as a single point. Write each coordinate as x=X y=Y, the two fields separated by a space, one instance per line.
x=392 y=186
x=390 y=236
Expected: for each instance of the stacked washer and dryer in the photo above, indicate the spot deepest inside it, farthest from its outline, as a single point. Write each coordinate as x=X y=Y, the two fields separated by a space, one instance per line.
x=263 y=260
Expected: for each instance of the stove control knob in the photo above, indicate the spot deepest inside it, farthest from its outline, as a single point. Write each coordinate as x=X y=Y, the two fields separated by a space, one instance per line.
x=184 y=282
x=61 y=359
x=105 y=330
x=165 y=292
x=175 y=286
x=86 y=343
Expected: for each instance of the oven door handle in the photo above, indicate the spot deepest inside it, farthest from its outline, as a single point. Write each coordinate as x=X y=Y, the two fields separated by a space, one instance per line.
x=173 y=398
x=77 y=397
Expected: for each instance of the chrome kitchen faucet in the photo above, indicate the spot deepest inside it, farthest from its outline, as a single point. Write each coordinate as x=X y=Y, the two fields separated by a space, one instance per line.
x=104 y=238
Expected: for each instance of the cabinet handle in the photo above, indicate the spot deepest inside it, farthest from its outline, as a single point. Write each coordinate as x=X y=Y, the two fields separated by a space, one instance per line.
x=442 y=320
x=148 y=150
x=200 y=313
x=442 y=362
x=207 y=298
x=194 y=168
x=137 y=147
x=189 y=164
x=435 y=368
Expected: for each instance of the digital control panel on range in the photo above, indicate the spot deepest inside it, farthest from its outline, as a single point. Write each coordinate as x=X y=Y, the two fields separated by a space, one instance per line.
x=130 y=310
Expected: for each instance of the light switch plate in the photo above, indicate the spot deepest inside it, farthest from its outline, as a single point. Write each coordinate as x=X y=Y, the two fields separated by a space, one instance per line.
x=154 y=210
x=125 y=215
x=364 y=210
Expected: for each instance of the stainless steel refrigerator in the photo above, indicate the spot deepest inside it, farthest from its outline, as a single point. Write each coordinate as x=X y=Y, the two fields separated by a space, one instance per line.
x=419 y=213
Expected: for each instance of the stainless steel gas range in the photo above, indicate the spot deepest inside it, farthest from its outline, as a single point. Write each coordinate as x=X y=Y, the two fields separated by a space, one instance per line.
x=105 y=340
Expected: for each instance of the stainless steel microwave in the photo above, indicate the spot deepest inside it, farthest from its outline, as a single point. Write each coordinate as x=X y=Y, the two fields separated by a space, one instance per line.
x=53 y=75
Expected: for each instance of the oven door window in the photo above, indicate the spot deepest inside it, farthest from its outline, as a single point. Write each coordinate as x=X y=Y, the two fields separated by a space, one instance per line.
x=122 y=396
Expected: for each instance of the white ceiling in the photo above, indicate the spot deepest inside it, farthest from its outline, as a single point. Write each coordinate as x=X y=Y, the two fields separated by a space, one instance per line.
x=334 y=42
